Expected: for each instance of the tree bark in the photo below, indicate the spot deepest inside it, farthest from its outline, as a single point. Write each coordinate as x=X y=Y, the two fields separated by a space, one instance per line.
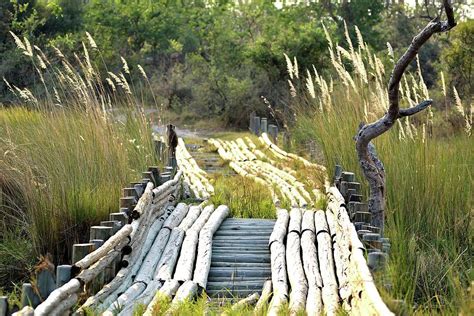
x=371 y=166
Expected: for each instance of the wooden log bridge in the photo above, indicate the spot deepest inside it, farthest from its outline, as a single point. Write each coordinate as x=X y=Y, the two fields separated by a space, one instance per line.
x=307 y=261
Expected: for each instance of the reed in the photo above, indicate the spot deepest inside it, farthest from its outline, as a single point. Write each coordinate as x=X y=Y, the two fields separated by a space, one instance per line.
x=67 y=149
x=429 y=176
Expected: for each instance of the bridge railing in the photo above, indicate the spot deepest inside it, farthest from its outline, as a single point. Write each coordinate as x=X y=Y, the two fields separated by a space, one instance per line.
x=95 y=263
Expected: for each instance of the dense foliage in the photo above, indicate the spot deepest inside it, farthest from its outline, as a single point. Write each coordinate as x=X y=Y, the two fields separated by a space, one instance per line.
x=210 y=60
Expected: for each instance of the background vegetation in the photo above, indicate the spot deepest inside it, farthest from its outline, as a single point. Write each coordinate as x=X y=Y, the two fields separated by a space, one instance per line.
x=218 y=60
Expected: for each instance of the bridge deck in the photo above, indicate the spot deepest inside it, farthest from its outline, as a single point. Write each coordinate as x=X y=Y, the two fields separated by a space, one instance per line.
x=240 y=257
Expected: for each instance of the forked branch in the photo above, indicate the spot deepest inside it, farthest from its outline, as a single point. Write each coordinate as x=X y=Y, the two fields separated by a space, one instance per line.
x=371 y=166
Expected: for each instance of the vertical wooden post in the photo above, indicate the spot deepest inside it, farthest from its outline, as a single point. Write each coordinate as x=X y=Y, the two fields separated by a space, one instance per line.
x=100 y=232
x=118 y=217
x=79 y=251
x=264 y=125
x=115 y=225
x=28 y=296
x=256 y=125
x=3 y=306
x=63 y=274
x=45 y=282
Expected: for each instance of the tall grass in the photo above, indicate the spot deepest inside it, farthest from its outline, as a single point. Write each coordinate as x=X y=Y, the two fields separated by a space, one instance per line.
x=65 y=155
x=429 y=177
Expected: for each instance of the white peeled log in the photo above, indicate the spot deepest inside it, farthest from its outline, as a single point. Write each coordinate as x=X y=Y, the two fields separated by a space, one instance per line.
x=94 y=270
x=25 y=311
x=144 y=202
x=296 y=276
x=203 y=262
x=264 y=298
x=314 y=304
x=187 y=291
x=145 y=273
x=166 y=265
x=165 y=292
x=185 y=265
x=248 y=301
x=366 y=299
x=112 y=242
x=278 y=262
x=65 y=305
x=123 y=278
x=281 y=225
x=326 y=264
x=143 y=299
x=193 y=214
x=57 y=296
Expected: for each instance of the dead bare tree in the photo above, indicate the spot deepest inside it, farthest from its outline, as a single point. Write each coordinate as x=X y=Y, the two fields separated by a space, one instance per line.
x=372 y=167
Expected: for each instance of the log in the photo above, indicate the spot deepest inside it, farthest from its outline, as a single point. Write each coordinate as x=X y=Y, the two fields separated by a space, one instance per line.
x=264 y=298
x=203 y=262
x=280 y=228
x=326 y=264
x=187 y=291
x=25 y=311
x=185 y=265
x=123 y=279
x=278 y=263
x=64 y=306
x=100 y=232
x=314 y=304
x=166 y=292
x=146 y=271
x=100 y=265
x=193 y=214
x=112 y=242
x=143 y=299
x=57 y=296
x=79 y=251
x=166 y=265
x=365 y=297
x=298 y=282
x=248 y=301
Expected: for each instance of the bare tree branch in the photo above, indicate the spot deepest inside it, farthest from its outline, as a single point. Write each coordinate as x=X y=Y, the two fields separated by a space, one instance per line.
x=413 y=110
x=369 y=162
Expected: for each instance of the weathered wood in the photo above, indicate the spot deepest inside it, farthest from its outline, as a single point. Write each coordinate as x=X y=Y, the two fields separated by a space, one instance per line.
x=167 y=291
x=314 y=304
x=28 y=296
x=63 y=274
x=3 y=305
x=166 y=265
x=248 y=301
x=370 y=164
x=146 y=271
x=58 y=295
x=144 y=202
x=326 y=264
x=264 y=298
x=278 y=263
x=186 y=291
x=108 y=245
x=203 y=262
x=116 y=225
x=366 y=299
x=65 y=305
x=79 y=251
x=100 y=232
x=185 y=265
x=122 y=281
x=25 y=311
x=298 y=282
